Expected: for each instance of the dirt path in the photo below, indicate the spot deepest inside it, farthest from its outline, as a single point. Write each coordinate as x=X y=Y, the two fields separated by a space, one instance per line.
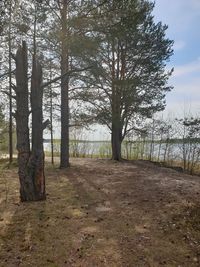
x=102 y=213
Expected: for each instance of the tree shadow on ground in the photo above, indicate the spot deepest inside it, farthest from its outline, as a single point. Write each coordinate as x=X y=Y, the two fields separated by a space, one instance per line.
x=93 y=217
x=62 y=231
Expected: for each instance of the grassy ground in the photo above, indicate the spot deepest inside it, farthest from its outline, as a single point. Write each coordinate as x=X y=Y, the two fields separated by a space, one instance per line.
x=102 y=213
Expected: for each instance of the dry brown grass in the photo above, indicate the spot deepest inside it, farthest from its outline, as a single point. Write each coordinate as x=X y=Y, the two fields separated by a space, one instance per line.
x=102 y=213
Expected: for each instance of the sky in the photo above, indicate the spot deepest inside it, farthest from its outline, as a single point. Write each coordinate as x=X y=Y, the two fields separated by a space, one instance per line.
x=183 y=20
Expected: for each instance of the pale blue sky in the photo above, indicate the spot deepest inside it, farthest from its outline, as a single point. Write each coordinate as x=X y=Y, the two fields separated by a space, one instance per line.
x=183 y=19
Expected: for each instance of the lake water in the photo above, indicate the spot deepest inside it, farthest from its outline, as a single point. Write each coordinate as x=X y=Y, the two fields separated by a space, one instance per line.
x=130 y=150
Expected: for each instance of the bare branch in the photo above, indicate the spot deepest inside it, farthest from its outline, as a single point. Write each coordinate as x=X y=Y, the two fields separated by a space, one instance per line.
x=14 y=87
x=13 y=56
x=53 y=10
x=14 y=114
x=6 y=74
x=45 y=124
x=8 y=94
x=68 y=73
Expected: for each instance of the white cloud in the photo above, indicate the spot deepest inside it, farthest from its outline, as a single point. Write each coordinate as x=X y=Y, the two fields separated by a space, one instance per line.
x=185 y=97
x=180 y=15
x=190 y=68
x=187 y=90
x=182 y=107
x=179 y=45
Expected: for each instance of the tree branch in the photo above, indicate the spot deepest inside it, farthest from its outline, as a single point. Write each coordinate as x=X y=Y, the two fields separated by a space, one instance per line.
x=53 y=10
x=45 y=124
x=14 y=87
x=8 y=94
x=13 y=56
x=68 y=73
x=6 y=73
x=14 y=114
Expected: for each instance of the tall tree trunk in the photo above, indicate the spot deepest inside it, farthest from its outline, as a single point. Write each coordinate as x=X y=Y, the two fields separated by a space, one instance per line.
x=116 y=135
x=10 y=89
x=22 y=113
x=36 y=162
x=64 y=156
x=116 y=142
x=31 y=164
x=51 y=117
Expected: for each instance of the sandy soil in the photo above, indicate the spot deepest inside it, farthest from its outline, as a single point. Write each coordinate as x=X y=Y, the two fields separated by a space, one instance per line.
x=103 y=213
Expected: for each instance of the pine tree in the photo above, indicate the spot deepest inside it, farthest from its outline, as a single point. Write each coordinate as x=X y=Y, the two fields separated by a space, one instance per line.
x=130 y=79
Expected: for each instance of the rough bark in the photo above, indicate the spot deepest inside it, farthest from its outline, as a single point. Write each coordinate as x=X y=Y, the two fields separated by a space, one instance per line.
x=116 y=133
x=64 y=149
x=51 y=118
x=31 y=164
x=10 y=90
x=36 y=162
x=22 y=111
x=116 y=144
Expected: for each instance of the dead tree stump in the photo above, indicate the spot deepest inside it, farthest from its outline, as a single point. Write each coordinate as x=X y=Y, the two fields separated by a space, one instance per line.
x=31 y=162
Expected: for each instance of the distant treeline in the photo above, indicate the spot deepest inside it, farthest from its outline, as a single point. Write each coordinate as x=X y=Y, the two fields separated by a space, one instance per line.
x=171 y=140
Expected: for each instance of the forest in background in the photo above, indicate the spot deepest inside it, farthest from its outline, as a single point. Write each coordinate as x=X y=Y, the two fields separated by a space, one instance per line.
x=86 y=62
x=67 y=201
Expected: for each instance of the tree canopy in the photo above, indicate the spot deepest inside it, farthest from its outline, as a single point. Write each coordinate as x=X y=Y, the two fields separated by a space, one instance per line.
x=130 y=80
x=124 y=47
